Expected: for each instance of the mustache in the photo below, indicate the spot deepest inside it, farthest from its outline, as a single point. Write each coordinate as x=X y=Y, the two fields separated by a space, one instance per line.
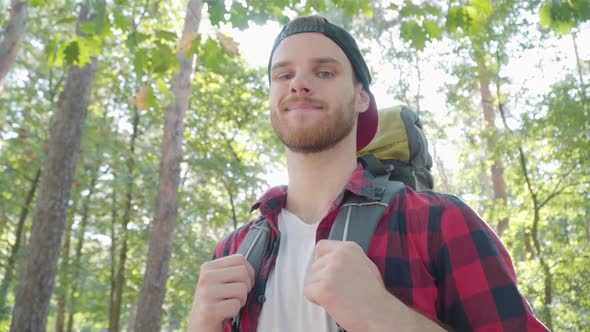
x=296 y=99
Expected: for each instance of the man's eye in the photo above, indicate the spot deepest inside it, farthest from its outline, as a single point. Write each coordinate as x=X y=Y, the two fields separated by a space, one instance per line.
x=325 y=74
x=285 y=76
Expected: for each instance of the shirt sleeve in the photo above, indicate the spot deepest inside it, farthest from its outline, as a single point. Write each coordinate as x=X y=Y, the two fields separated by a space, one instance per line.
x=477 y=288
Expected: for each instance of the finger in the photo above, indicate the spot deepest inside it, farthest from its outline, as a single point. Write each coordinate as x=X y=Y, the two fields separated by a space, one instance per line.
x=224 y=262
x=319 y=266
x=236 y=290
x=309 y=295
x=227 y=308
x=251 y=273
x=324 y=247
x=312 y=293
x=238 y=273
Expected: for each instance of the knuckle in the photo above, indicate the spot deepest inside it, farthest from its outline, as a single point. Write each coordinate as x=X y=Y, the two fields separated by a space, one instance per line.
x=206 y=310
x=243 y=272
x=235 y=306
x=350 y=245
x=204 y=277
x=205 y=293
x=205 y=267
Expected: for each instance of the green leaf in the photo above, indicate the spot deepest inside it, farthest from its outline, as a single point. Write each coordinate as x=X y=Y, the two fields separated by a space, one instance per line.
x=412 y=32
x=151 y=101
x=216 y=11
x=140 y=62
x=72 y=52
x=36 y=3
x=88 y=28
x=67 y=21
x=483 y=7
x=462 y=17
x=545 y=14
x=163 y=88
x=563 y=16
x=101 y=20
x=122 y=21
x=53 y=51
x=135 y=38
x=350 y=8
x=432 y=29
x=163 y=58
x=582 y=8
x=166 y=35
x=212 y=54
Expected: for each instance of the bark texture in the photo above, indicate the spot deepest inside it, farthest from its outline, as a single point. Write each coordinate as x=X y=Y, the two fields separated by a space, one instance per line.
x=17 y=244
x=153 y=290
x=118 y=279
x=13 y=37
x=497 y=168
x=40 y=266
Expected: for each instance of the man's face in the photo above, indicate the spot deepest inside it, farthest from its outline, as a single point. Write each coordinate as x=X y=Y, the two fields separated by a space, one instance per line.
x=314 y=99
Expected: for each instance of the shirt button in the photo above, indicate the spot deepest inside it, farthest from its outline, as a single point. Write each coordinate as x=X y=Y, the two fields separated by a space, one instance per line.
x=261 y=299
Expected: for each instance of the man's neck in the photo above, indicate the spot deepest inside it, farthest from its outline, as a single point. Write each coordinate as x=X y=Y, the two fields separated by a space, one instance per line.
x=316 y=179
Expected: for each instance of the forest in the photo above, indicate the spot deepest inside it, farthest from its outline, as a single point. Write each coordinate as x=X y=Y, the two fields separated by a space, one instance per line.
x=134 y=135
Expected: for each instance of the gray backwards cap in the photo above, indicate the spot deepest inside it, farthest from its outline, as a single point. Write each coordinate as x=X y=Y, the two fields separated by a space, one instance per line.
x=338 y=35
x=367 y=121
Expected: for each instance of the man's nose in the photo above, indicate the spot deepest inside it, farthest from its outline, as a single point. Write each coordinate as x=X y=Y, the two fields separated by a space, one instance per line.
x=300 y=84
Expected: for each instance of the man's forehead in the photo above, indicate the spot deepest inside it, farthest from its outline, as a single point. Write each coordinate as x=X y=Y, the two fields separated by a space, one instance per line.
x=308 y=46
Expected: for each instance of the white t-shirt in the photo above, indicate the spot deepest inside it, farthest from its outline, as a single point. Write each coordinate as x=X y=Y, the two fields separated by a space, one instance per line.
x=285 y=308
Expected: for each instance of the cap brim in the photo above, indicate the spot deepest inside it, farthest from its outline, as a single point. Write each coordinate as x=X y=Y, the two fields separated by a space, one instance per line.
x=367 y=124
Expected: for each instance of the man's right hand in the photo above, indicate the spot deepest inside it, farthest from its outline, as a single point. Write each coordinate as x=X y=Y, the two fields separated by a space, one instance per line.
x=222 y=291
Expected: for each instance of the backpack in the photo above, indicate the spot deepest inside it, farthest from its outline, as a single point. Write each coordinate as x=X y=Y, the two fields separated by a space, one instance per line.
x=400 y=142
x=397 y=156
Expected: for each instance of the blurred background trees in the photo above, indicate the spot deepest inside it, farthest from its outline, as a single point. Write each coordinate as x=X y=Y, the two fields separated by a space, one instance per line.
x=511 y=142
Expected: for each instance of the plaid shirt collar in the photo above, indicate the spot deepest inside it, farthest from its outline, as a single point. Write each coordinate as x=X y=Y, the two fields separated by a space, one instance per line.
x=361 y=183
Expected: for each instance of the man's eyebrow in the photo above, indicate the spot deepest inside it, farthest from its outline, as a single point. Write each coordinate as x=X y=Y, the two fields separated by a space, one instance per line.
x=280 y=64
x=321 y=61
x=325 y=60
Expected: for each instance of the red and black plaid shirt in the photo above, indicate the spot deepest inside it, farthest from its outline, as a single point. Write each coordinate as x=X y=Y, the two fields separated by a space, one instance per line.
x=433 y=251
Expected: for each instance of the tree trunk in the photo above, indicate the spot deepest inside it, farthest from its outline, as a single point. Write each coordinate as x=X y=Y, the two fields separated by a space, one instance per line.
x=119 y=279
x=580 y=67
x=14 y=34
x=153 y=290
x=64 y=277
x=131 y=321
x=441 y=169
x=36 y=285
x=497 y=168
x=16 y=246
x=547 y=276
x=233 y=206
x=76 y=266
x=113 y=249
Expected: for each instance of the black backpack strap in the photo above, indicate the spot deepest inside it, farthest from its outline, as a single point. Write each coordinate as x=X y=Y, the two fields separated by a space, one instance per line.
x=255 y=244
x=253 y=248
x=358 y=217
x=375 y=165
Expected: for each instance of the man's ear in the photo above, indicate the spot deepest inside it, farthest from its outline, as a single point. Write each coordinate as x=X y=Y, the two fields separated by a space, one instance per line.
x=362 y=99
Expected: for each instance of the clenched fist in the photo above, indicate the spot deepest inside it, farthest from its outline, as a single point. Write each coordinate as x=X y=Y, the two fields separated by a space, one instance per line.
x=221 y=292
x=347 y=284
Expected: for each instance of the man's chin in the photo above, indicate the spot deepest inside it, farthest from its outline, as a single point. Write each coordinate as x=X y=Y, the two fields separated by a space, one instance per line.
x=309 y=145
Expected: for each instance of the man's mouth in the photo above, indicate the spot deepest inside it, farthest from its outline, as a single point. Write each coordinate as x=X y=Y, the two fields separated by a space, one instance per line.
x=302 y=107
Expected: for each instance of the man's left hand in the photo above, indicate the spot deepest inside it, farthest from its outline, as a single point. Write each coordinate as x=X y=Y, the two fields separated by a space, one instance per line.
x=348 y=285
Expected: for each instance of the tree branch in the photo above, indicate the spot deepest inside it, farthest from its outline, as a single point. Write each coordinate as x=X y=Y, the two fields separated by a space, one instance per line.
x=557 y=191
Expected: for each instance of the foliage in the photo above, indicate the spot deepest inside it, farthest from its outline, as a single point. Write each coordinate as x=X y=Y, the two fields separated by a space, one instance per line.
x=229 y=145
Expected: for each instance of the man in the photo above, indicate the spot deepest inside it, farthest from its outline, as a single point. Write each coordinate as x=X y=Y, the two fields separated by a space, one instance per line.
x=432 y=262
